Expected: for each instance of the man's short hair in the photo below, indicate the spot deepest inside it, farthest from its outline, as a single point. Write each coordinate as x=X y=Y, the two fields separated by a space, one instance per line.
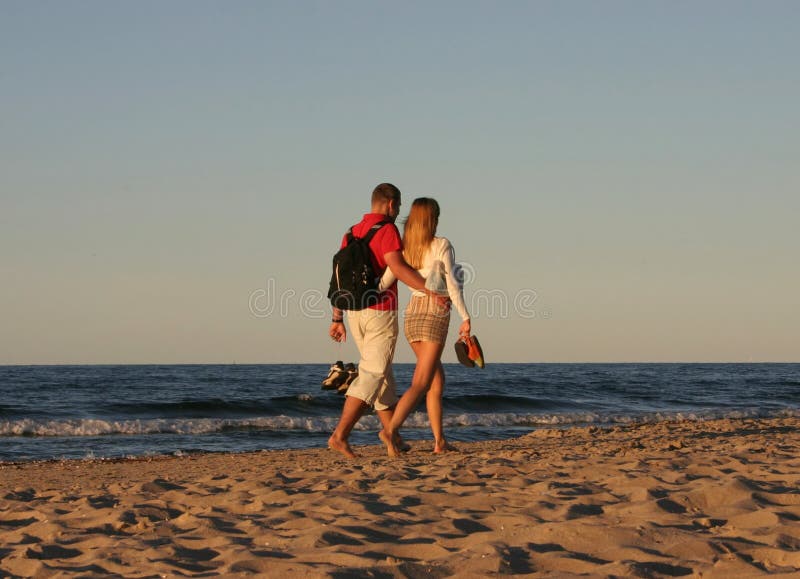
x=385 y=192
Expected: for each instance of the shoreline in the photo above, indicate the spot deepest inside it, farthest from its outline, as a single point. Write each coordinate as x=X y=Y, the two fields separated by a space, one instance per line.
x=560 y=422
x=716 y=497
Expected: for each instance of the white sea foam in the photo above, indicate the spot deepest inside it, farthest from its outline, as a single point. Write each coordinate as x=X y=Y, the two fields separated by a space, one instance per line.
x=199 y=426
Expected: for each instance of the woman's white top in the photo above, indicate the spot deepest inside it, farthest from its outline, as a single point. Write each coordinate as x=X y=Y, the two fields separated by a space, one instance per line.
x=441 y=274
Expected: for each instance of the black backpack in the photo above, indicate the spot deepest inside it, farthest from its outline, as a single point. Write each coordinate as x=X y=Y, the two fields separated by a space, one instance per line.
x=354 y=282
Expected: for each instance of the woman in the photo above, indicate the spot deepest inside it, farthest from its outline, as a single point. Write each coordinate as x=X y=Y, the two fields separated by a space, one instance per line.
x=426 y=322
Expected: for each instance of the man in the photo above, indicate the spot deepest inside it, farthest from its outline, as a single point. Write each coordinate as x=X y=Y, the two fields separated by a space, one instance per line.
x=375 y=328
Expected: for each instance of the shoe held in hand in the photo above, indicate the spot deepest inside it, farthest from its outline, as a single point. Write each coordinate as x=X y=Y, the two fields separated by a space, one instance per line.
x=336 y=376
x=469 y=352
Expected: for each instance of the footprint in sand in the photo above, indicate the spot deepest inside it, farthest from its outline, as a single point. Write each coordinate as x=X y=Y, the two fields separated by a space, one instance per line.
x=195 y=554
x=229 y=526
x=655 y=569
x=569 y=489
x=17 y=523
x=160 y=486
x=579 y=511
x=671 y=506
x=332 y=538
x=469 y=526
x=53 y=552
x=23 y=496
x=152 y=513
x=103 y=502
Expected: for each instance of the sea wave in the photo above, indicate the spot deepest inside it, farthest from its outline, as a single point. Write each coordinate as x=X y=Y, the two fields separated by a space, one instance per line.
x=187 y=426
x=213 y=407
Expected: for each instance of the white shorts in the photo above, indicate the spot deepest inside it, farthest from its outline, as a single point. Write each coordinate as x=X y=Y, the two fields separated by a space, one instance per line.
x=375 y=334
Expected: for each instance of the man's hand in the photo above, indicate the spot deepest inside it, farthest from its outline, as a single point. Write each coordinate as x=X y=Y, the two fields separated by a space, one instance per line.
x=337 y=332
x=441 y=301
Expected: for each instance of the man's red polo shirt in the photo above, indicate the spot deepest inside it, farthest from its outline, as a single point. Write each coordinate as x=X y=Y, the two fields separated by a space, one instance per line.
x=386 y=240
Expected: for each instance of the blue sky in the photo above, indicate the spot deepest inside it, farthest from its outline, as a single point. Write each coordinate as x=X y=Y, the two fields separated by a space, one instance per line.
x=631 y=165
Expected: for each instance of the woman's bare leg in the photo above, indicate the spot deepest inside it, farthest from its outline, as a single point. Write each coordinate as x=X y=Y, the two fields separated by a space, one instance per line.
x=428 y=355
x=433 y=402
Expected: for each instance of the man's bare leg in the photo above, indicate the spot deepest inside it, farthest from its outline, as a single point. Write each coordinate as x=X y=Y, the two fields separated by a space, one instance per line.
x=353 y=410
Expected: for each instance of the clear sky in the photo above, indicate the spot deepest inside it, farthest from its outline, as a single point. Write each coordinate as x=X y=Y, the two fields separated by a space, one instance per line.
x=620 y=178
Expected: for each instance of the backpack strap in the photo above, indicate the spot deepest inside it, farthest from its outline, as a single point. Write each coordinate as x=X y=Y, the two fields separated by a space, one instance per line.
x=370 y=234
x=373 y=230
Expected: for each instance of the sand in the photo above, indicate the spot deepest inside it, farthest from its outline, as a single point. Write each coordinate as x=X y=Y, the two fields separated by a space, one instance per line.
x=701 y=499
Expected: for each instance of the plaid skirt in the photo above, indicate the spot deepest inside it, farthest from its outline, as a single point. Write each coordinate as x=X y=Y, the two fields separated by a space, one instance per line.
x=426 y=320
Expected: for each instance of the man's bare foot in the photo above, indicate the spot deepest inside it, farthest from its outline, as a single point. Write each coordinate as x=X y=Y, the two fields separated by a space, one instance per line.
x=341 y=446
x=443 y=446
x=388 y=441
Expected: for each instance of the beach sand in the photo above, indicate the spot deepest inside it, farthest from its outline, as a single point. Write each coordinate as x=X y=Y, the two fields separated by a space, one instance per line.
x=711 y=499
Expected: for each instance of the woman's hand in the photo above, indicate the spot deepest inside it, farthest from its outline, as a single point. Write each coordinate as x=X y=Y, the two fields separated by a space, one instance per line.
x=465 y=329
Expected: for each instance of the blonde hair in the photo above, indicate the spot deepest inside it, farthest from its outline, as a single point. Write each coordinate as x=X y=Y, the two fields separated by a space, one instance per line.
x=419 y=230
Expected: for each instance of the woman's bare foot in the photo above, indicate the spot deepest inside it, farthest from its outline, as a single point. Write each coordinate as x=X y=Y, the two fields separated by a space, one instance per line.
x=388 y=441
x=341 y=446
x=443 y=446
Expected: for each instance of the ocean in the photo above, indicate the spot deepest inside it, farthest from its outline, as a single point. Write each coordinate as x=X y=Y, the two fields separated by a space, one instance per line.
x=54 y=412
